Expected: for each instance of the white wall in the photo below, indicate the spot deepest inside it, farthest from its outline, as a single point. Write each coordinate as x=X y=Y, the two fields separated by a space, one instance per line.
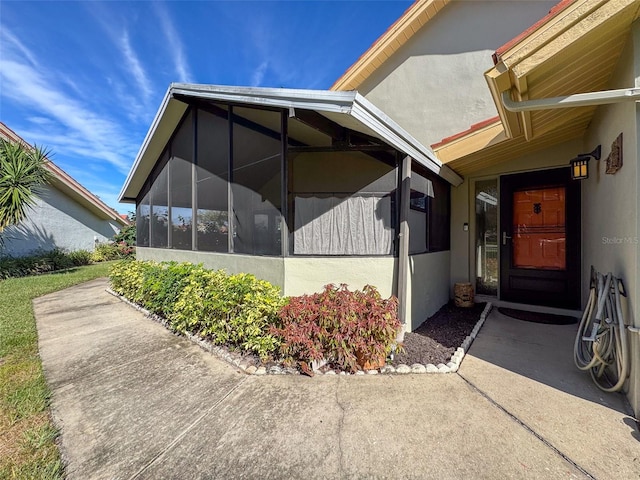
x=443 y=66
x=610 y=203
x=429 y=284
x=57 y=221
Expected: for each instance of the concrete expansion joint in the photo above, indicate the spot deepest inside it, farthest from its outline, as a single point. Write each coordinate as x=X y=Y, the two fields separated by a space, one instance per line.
x=184 y=433
x=529 y=429
x=417 y=368
x=340 y=430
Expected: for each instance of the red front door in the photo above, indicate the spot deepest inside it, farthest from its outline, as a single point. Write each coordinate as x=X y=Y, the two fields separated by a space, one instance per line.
x=539 y=231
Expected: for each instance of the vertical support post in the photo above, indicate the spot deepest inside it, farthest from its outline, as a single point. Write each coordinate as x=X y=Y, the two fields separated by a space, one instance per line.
x=194 y=180
x=230 y=218
x=168 y=166
x=403 y=247
x=284 y=184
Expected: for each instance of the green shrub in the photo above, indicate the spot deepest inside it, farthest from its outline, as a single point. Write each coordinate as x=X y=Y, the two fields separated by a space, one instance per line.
x=234 y=310
x=42 y=262
x=348 y=329
x=112 y=251
x=127 y=278
x=80 y=257
x=127 y=234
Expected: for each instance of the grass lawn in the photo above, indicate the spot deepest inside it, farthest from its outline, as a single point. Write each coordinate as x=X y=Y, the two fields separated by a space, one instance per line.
x=27 y=435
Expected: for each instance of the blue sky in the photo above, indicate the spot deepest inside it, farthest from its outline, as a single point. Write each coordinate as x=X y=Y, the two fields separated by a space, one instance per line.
x=85 y=79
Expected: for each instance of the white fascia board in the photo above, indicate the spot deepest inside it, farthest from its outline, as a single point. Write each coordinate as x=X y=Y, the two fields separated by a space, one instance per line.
x=143 y=148
x=322 y=100
x=375 y=119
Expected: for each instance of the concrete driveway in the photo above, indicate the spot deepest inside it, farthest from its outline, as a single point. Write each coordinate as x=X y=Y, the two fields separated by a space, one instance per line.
x=134 y=401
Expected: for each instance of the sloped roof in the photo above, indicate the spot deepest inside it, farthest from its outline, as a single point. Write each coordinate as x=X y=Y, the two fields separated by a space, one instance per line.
x=413 y=19
x=347 y=109
x=70 y=187
x=574 y=49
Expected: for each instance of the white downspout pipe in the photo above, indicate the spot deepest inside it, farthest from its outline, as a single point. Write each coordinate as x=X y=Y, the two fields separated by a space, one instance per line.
x=567 y=101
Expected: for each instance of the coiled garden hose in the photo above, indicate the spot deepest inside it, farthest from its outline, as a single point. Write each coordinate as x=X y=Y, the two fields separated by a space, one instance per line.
x=601 y=345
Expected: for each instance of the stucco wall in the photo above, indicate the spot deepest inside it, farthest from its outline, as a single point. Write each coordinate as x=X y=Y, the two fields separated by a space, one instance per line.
x=266 y=268
x=443 y=66
x=310 y=274
x=610 y=218
x=429 y=285
x=463 y=201
x=57 y=221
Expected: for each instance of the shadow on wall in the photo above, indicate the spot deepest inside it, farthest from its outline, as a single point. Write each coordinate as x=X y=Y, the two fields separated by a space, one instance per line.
x=23 y=240
x=59 y=201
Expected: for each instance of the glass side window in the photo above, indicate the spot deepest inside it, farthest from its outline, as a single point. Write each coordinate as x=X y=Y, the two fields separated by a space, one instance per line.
x=486 y=196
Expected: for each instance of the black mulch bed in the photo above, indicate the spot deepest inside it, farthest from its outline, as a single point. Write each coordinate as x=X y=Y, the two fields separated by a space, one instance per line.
x=438 y=337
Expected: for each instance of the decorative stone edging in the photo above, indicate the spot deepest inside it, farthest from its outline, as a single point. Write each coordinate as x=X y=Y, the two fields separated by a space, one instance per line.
x=246 y=366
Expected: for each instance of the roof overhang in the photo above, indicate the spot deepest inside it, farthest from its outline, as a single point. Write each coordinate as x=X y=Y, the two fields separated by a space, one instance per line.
x=416 y=17
x=573 y=50
x=348 y=109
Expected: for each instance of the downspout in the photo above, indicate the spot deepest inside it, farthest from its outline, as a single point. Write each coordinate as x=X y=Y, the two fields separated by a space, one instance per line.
x=569 y=101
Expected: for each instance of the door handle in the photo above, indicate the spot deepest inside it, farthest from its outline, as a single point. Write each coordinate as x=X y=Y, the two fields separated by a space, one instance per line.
x=504 y=238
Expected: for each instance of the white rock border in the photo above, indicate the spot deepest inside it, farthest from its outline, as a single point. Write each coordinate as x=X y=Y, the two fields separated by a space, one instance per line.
x=236 y=360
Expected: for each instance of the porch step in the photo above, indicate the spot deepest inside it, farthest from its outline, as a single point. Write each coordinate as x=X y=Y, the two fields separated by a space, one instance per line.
x=532 y=308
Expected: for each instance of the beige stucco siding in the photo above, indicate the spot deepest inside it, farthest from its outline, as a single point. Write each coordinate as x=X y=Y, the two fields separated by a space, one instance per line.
x=610 y=218
x=428 y=285
x=311 y=274
x=266 y=268
x=443 y=66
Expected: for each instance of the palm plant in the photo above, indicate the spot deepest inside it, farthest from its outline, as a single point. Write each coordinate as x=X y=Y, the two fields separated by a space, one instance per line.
x=22 y=173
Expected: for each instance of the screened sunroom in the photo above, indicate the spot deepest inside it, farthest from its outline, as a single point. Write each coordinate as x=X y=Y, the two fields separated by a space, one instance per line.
x=302 y=188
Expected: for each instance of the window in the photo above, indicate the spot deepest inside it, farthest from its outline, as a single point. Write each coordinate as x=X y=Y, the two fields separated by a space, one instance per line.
x=428 y=214
x=421 y=192
x=160 y=205
x=142 y=221
x=211 y=182
x=256 y=183
x=439 y=216
x=180 y=178
x=353 y=225
x=343 y=204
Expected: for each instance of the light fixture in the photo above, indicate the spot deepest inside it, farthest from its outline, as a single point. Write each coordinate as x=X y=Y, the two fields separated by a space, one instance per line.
x=580 y=164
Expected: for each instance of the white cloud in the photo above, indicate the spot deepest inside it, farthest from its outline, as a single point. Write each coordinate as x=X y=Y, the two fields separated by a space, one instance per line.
x=258 y=74
x=80 y=129
x=175 y=44
x=8 y=36
x=135 y=67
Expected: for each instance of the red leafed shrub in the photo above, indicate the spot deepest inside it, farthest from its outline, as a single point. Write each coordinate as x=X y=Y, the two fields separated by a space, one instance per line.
x=345 y=328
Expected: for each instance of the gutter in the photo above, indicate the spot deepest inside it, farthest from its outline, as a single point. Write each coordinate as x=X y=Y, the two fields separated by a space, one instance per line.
x=570 y=101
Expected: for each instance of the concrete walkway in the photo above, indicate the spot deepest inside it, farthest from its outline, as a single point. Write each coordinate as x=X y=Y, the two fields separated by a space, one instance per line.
x=134 y=401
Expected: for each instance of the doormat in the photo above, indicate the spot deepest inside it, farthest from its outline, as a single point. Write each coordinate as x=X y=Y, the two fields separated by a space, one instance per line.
x=537 y=317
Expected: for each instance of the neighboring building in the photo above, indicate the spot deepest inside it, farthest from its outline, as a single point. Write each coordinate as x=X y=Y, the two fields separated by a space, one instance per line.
x=65 y=215
x=517 y=225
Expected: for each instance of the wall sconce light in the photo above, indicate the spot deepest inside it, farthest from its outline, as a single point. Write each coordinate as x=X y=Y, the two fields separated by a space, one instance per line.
x=580 y=164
